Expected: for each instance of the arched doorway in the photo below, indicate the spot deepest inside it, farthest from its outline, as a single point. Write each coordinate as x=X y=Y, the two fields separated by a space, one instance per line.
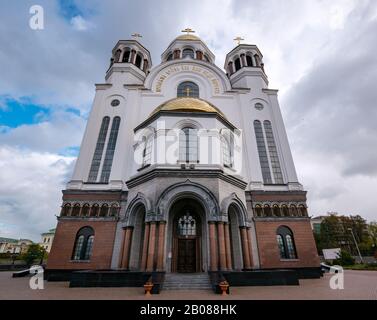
x=187 y=236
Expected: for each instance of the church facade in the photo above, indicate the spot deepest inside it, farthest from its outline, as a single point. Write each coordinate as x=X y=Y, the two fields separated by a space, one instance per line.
x=184 y=168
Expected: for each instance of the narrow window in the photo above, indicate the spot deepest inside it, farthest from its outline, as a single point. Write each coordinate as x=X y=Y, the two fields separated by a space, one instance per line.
x=227 y=145
x=237 y=64
x=188 y=89
x=96 y=161
x=147 y=151
x=274 y=158
x=263 y=159
x=249 y=61
x=170 y=57
x=138 y=61
x=108 y=162
x=286 y=243
x=83 y=244
x=94 y=210
x=188 y=145
x=126 y=56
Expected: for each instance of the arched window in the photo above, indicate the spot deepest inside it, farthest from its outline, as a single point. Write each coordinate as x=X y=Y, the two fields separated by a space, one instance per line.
x=226 y=144
x=108 y=162
x=237 y=64
x=126 y=55
x=114 y=210
x=274 y=158
x=302 y=211
x=170 y=57
x=293 y=210
x=286 y=245
x=257 y=60
x=188 y=53
x=276 y=210
x=206 y=58
x=249 y=61
x=188 y=145
x=66 y=210
x=138 y=60
x=186 y=225
x=117 y=55
x=76 y=210
x=96 y=161
x=85 y=210
x=258 y=211
x=147 y=150
x=94 y=210
x=83 y=244
x=284 y=211
x=262 y=152
x=104 y=210
x=267 y=211
x=188 y=89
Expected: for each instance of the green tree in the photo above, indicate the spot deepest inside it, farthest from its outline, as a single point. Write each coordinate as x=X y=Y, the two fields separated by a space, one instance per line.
x=34 y=252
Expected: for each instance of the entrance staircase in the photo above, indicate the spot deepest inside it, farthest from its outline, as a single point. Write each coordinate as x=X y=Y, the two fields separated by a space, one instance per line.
x=187 y=281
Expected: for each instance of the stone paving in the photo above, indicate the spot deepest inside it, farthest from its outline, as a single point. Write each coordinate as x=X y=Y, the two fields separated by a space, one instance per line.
x=357 y=285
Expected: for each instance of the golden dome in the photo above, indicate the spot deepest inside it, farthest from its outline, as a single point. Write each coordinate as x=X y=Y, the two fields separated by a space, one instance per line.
x=188 y=105
x=190 y=37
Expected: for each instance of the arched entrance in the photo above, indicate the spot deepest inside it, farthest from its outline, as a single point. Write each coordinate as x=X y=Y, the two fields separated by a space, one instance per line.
x=187 y=236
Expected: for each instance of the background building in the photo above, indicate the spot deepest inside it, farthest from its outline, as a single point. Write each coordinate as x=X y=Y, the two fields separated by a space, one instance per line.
x=8 y=245
x=47 y=238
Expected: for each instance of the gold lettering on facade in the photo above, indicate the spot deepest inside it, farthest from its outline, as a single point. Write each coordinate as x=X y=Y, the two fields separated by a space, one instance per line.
x=184 y=68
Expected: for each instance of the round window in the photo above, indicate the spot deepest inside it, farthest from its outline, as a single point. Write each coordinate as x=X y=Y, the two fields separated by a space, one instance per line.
x=115 y=103
x=259 y=106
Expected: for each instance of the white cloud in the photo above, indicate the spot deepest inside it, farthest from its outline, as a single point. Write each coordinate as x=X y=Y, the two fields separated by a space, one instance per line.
x=79 y=23
x=30 y=191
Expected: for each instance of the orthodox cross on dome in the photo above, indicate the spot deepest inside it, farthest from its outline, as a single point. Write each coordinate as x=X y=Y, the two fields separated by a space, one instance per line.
x=135 y=36
x=188 y=30
x=238 y=40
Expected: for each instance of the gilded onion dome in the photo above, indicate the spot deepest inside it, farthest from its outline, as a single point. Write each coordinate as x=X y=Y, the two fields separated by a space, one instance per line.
x=188 y=105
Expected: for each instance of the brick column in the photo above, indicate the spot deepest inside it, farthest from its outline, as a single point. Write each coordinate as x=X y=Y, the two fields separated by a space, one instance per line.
x=127 y=247
x=151 y=246
x=145 y=247
x=245 y=248
x=250 y=246
x=212 y=245
x=228 y=247
x=221 y=238
x=133 y=56
x=122 y=248
x=243 y=60
x=161 y=247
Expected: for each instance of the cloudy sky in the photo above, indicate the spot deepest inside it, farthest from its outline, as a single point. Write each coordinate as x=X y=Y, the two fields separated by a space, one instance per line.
x=320 y=54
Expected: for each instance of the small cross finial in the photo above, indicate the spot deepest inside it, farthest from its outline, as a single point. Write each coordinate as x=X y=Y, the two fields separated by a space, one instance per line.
x=135 y=36
x=188 y=30
x=238 y=40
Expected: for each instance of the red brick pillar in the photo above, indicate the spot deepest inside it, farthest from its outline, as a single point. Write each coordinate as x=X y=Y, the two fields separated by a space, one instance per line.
x=221 y=238
x=248 y=230
x=177 y=54
x=212 y=245
x=151 y=246
x=245 y=248
x=161 y=246
x=243 y=60
x=228 y=247
x=145 y=247
x=145 y=65
x=127 y=247
x=122 y=248
x=133 y=56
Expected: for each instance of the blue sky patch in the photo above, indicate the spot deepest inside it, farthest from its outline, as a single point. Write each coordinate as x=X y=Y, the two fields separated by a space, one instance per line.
x=14 y=113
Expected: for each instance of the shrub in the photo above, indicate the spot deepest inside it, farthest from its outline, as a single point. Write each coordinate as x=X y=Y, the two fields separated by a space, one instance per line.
x=345 y=259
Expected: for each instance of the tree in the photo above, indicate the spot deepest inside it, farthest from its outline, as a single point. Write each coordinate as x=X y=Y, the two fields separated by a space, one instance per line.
x=34 y=252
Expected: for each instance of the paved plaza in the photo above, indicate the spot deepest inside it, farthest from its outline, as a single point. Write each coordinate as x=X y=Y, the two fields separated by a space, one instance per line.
x=357 y=285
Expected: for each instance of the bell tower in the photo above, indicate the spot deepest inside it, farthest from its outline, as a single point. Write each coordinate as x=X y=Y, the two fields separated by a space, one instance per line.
x=130 y=62
x=245 y=67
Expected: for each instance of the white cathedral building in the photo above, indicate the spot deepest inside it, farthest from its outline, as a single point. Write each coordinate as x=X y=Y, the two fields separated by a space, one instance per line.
x=184 y=168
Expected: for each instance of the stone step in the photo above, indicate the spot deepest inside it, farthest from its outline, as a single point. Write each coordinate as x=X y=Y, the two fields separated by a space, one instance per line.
x=194 y=281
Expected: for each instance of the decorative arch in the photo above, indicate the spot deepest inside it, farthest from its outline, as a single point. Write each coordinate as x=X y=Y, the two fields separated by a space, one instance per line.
x=133 y=206
x=188 y=189
x=234 y=200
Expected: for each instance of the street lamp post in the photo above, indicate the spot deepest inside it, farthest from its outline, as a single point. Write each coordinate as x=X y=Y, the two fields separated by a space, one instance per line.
x=357 y=247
